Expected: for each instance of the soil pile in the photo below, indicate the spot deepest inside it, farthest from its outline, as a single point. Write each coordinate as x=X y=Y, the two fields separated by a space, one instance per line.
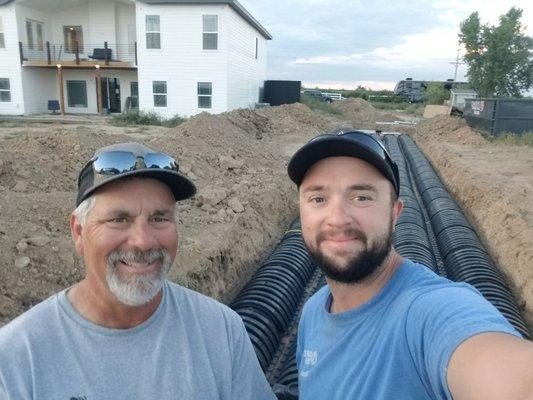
x=237 y=160
x=493 y=184
x=361 y=113
x=449 y=129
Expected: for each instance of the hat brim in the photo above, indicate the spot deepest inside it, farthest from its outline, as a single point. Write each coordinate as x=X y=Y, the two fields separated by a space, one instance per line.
x=180 y=186
x=335 y=146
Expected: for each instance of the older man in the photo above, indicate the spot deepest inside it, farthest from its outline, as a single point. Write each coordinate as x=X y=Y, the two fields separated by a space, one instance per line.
x=384 y=327
x=124 y=331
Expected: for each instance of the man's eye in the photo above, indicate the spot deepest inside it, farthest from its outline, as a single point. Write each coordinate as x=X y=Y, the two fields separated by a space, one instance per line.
x=318 y=200
x=362 y=198
x=160 y=219
x=118 y=220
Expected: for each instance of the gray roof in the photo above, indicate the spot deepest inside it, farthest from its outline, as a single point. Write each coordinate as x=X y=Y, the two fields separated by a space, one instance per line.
x=232 y=3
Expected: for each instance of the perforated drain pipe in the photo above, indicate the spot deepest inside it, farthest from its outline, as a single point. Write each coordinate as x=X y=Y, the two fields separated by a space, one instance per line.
x=268 y=302
x=465 y=258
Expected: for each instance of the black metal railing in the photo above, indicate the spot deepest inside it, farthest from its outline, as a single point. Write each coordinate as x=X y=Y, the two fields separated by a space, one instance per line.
x=104 y=53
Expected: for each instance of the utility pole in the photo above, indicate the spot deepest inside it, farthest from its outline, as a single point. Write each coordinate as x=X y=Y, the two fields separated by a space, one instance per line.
x=456 y=64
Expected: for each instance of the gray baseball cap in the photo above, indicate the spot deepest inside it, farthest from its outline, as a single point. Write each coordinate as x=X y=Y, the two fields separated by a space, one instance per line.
x=124 y=160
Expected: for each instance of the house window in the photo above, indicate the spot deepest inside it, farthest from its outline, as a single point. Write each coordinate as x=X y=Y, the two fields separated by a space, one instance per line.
x=2 y=42
x=34 y=33
x=205 y=93
x=153 y=32
x=29 y=34
x=210 y=29
x=40 y=41
x=77 y=94
x=160 y=93
x=256 y=48
x=73 y=37
x=5 y=90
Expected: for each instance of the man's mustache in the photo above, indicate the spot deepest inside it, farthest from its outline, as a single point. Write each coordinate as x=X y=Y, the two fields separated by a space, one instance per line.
x=346 y=232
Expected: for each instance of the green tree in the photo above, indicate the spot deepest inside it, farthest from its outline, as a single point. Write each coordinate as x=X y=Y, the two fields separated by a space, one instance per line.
x=435 y=93
x=499 y=58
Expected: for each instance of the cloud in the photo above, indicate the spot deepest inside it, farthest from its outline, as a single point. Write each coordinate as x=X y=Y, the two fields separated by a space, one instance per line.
x=327 y=59
x=347 y=42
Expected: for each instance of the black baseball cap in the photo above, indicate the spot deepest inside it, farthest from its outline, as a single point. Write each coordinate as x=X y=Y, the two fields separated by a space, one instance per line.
x=356 y=144
x=125 y=160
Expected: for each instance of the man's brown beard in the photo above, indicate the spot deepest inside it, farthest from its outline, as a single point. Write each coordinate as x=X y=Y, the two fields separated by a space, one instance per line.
x=360 y=267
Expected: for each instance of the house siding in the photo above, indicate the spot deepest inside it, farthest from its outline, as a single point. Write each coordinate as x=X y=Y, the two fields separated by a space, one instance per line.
x=39 y=85
x=125 y=31
x=246 y=74
x=234 y=73
x=10 y=62
x=181 y=61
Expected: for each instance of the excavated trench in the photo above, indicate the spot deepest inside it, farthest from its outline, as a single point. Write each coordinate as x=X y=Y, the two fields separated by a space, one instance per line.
x=431 y=230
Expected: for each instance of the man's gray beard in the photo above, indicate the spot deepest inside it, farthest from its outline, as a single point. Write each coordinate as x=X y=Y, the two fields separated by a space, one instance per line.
x=360 y=267
x=137 y=290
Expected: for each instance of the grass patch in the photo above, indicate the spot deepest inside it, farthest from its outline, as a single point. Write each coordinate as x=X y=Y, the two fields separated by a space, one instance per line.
x=146 y=118
x=513 y=139
x=315 y=104
x=408 y=108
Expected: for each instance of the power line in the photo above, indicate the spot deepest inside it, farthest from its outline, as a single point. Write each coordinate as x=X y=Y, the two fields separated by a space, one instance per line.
x=456 y=64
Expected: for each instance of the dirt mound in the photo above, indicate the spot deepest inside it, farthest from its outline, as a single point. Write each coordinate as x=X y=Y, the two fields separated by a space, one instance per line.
x=449 y=129
x=361 y=111
x=237 y=160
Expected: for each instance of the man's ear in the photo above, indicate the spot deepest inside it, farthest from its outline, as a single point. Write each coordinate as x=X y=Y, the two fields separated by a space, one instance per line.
x=76 y=231
x=397 y=208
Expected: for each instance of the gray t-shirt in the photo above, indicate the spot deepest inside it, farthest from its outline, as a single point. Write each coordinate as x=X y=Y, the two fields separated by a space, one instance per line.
x=192 y=347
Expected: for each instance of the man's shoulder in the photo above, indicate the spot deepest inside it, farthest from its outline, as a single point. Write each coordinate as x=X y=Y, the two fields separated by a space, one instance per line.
x=198 y=303
x=316 y=302
x=32 y=323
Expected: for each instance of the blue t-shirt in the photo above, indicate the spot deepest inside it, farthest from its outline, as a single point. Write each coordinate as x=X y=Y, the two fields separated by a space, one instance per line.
x=395 y=346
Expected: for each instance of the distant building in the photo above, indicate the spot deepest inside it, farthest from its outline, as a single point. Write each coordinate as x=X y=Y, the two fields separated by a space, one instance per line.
x=168 y=56
x=413 y=91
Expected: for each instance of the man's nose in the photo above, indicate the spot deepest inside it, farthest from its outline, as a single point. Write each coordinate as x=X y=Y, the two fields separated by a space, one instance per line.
x=338 y=212
x=141 y=236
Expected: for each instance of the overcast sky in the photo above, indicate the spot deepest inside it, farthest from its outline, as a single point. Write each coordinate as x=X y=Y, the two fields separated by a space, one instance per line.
x=345 y=43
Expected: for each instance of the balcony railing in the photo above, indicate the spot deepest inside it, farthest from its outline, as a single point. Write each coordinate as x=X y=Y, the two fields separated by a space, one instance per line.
x=79 y=54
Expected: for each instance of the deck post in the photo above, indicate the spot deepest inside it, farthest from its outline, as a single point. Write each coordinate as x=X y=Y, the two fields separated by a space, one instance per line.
x=106 y=55
x=77 y=52
x=61 y=94
x=48 y=55
x=99 y=90
x=21 y=53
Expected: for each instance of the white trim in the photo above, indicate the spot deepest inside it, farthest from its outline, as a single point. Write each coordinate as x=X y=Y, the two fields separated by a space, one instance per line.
x=2 y=38
x=205 y=96
x=160 y=94
x=6 y=90
x=209 y=31
x=152 y=32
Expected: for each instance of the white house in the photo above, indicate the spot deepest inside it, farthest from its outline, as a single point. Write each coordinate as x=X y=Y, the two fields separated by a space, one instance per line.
x=169 y=56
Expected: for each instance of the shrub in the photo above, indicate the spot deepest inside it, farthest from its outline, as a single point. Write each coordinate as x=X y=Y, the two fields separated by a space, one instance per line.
x=145 y=118
x=315 y=104
x=512 y=139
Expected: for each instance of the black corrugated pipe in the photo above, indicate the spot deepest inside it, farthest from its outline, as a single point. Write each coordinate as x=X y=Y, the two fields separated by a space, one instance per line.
x=411 y=238
x=465 y=258
x=268 y=302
